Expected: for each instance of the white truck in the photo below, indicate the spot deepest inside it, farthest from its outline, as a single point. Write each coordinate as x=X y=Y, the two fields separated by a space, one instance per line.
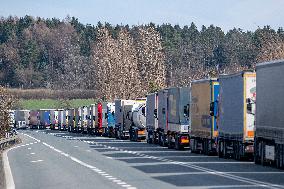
x=162 y=117
x=123 y=109
x=138 y=118
x=21 y=118
x=152 y=135
x=84 y=119
x=269 y=138
x=178 y=126
x=236 y=115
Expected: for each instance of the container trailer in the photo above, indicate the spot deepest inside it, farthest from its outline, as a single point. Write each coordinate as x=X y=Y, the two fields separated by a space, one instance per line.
x=162 y=117
x=34 y=119
x=269 y=135
x=61 y=118
x=152 y=118
x=236 y=121
x=138 y=118
x=110 y=119
x=44 y=117
x=65 y=120
x=203 y=109
x=21 y=118
x=178 y=125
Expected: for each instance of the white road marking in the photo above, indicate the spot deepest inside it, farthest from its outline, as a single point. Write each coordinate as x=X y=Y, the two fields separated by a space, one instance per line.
x=32 y=153
x=7 y=170
x=29 y=148
x=36 y=161
x=76 y=146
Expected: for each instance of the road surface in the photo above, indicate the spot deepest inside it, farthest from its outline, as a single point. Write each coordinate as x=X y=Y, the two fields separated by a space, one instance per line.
x=58 y=159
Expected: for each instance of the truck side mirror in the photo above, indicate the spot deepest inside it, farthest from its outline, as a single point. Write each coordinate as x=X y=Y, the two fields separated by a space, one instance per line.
x=106 y=115
x=143 y=111
x=212 y=109
x=112 y=113
x=186 y=110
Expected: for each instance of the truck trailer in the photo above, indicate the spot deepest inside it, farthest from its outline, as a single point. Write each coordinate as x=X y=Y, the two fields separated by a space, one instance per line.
x=162 y=117
x=78 y=117
x=269 y=137
x=93 y=113
x=123 y=109
x=71 y=120
x=178 y=126
x=203 y=109
x=236 y=120
x=137 y=131
x=21 y=118
x=34 y=119
x=152 y=135
x=44 y=117
x=84 y=120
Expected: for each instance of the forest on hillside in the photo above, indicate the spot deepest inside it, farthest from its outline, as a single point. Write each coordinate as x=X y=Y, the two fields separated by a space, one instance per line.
x=125 y=61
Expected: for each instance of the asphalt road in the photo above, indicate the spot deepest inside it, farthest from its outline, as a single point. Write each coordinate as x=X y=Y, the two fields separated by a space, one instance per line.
x=54 y=159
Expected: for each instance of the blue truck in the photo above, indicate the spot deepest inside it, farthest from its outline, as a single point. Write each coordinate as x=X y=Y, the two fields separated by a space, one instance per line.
x=204 y=109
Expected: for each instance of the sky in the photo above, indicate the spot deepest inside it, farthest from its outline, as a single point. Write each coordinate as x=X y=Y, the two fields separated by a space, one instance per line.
x=227 y=14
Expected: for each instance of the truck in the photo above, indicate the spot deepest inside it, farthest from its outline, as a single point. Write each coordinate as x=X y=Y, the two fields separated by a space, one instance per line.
x=62 y=119
x=269 y=131
x=93 y=111
x=236 y=110
x=44 y=116
x=54 y=116
x=162 y=117
x=123 y=109
x=84 y=120
x=138 y=118
x=152 y=118
x=99 y=120
x=203 y=111
x=104 y=117
x=34 y=119
x=21 y=119
x=178 y=126
x=110 y=119
x=78 y=118
x=71 y=120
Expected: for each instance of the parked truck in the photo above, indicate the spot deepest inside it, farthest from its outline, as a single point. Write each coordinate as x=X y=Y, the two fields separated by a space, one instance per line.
x=203 y=110
x=93 y=113
x=137 y=131
x=123 y=109
x=236 y=120
x=34 y=119
x=152 y=135
x=178 y=117
x=84 y=120
x=162 y=117
x=104 y=117
x=269 y=138
x=71 y=120
x=110 y=119
x=77 y=122
x=21 y=118
x=44 y=116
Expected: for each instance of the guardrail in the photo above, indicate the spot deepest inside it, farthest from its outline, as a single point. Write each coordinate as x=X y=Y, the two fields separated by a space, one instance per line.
x=5 y=142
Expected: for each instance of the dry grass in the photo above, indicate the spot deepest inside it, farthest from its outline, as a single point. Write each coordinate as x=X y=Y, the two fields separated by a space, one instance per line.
x=52 y=94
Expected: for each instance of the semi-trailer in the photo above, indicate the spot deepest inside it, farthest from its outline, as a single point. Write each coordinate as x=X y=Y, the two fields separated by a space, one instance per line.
x=123 y=109
x=203 y=110
x=152 y=118
x=99 y=120
x=162 y=117
x=71 y=120
x=269 y=131
x=78 y=117
x=34 y=119
x=84 y=120
x=110 y=119
x=93 y=113
x=138 y=118
x=177 y=128
x=236 y=120
x=61 y=118
x=44 y=117
x=21 y=118
x=104 y=117
x=65 y=120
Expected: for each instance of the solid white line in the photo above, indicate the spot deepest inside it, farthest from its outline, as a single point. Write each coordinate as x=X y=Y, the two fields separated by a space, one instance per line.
x=32 y=153
x=7 y=170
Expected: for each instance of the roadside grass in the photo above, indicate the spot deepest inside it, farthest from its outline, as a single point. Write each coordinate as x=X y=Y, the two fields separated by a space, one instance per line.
x=34 y=104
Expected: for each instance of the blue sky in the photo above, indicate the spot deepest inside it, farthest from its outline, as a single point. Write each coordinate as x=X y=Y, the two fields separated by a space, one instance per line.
x=244 y=14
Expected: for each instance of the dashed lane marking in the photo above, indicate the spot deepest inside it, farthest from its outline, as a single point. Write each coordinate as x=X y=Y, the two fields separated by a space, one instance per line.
x=36 y=161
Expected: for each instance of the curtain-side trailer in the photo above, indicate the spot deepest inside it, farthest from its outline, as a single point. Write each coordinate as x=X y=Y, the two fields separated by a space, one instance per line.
x=110 y=119
x=269 y=138
x=178 y=117
x=162 y=117
x=203 y=109
x=236 y=120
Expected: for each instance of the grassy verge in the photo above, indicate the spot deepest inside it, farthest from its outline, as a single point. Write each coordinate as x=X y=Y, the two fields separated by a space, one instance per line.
x=53 y=104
